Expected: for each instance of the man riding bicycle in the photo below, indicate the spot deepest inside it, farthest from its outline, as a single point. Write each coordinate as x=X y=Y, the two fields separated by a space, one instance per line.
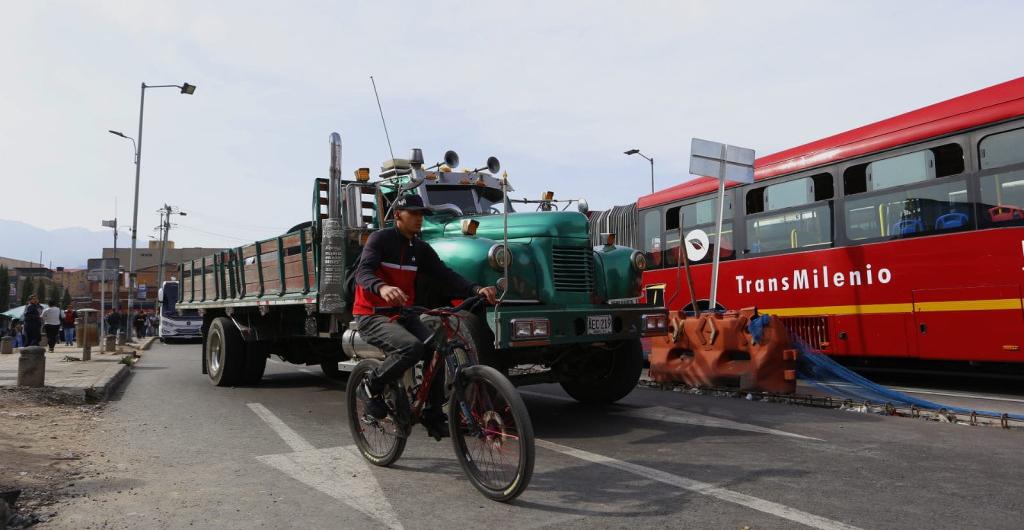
x=386 y=276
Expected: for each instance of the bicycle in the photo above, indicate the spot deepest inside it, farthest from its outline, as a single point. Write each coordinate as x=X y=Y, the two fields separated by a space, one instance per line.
x=489 y=425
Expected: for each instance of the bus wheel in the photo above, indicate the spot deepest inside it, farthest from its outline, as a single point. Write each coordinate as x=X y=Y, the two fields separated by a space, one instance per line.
x=607 y=375
x=225 y=353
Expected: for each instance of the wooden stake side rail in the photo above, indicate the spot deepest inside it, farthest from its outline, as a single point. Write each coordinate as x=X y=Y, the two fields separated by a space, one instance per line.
x=280 y=268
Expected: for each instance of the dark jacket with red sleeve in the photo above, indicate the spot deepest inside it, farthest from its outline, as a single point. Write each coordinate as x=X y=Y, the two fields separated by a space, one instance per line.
x=389 y=258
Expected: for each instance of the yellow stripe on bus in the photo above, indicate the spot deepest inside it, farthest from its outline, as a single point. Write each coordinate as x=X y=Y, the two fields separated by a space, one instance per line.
x=872 y=309
x=969 y=305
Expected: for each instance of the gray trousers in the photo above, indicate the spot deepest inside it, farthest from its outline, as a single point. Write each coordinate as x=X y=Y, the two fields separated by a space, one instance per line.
x=402 y=342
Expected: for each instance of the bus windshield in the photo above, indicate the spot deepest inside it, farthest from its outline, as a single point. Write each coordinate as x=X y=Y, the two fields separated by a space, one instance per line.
x=170 y=298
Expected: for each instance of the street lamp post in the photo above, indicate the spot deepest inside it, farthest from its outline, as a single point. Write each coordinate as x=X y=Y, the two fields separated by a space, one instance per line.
x=185 y=89
x=651 y=160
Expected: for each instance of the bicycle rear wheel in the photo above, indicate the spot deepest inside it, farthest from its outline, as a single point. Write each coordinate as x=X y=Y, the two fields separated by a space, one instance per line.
x=492 y=433
x=382 y=441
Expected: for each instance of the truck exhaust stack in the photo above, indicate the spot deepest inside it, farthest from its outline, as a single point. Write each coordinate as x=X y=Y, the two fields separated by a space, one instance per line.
x=332 y=266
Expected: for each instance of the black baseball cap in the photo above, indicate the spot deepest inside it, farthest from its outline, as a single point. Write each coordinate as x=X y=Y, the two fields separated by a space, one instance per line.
x=413 y=203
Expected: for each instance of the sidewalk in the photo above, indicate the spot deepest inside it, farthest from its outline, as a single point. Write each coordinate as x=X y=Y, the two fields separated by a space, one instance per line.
x=92 y=380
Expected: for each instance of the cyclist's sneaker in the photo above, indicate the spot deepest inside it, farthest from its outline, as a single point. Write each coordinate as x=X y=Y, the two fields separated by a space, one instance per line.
x=436 y=424
x=375 y=405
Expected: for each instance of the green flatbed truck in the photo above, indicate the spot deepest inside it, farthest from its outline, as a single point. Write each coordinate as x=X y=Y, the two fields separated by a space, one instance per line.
x=569 y=312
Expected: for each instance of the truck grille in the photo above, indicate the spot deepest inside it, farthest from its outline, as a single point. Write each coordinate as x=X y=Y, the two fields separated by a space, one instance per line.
x=573 y=268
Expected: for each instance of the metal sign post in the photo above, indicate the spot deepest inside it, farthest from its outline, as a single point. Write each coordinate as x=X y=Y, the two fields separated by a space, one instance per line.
x=724 y=162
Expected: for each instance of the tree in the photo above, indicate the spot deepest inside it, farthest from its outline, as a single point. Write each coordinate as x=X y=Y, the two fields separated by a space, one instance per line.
x=41 y=290
x=54 y=296
x=26 y=290
x=66 y=300
x=5 y=289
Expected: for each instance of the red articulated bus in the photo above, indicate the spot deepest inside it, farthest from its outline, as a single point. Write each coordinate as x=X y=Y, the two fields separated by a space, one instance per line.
x=899 y=239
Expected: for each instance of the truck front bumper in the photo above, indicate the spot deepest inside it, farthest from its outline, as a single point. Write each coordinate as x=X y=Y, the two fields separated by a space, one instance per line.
x=577 y=325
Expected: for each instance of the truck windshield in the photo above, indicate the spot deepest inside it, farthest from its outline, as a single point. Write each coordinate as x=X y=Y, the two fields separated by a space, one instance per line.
x=469 y=199
x=170 y=298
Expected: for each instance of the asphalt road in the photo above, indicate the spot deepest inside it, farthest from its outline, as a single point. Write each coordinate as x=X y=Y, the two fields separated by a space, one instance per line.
x=190 y=455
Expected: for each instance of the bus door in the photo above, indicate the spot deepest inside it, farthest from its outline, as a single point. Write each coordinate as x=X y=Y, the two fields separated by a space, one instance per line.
x=969 y=322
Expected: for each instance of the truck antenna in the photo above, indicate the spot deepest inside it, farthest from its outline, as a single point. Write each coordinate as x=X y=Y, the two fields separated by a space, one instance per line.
x=381 y=109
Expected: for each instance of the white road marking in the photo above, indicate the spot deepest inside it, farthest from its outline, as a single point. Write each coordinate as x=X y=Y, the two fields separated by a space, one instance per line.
x=692 y=418
x=340 y=472
x=290 y=437
x=703 y=488
x=954 y=394
x=670 y=415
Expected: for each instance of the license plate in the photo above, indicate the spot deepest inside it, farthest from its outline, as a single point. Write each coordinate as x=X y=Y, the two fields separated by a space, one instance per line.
x=599 y=325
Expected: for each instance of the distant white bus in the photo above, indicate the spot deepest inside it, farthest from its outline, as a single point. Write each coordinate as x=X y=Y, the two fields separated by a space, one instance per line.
x=176 y=325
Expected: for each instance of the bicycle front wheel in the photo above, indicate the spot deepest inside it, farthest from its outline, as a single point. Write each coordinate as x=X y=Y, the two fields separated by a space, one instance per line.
x=492 y=433
x=380 y=441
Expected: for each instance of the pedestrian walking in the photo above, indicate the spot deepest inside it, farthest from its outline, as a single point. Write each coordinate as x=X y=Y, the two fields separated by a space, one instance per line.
x=70 y=315
x=152 y=321
x=139 y=323
x=33 y=321
x=17 y=334
x=51 y=323
x=112 y=322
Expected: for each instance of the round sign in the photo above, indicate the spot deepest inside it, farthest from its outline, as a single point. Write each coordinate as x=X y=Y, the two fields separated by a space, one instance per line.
x=697 y=245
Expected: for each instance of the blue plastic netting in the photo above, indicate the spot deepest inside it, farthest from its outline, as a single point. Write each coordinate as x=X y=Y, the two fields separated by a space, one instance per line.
x=825 y=374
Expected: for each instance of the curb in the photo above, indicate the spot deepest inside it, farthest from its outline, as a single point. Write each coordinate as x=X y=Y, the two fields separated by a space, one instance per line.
x=145 y=345
x=113 y=384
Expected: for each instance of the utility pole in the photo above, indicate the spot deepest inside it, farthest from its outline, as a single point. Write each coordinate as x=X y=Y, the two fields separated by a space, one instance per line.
x=165 y=228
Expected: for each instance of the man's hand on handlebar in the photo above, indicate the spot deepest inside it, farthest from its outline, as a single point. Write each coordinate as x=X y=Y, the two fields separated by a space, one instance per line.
x=393 y=295
x=490 y=293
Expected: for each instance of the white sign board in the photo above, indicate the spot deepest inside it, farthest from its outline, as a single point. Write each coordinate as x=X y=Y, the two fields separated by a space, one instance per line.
x=707 y=159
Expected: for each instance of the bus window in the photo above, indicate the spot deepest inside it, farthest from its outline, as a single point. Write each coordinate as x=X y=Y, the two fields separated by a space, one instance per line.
x=1002 y=149
x=699 y=215
x=652 y=237
x=672 y=244
x=795 y=229
x=911 y=168
x=1002 y=199
x=789 y=194
x=921 y=210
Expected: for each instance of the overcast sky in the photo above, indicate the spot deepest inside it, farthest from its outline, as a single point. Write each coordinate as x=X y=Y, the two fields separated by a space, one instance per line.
x=556 y=90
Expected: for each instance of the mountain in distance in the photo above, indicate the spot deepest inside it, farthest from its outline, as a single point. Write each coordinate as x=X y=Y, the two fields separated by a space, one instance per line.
x=63 y=247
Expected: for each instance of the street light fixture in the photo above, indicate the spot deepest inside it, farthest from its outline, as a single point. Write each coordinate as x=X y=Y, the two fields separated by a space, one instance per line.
x=185 y=89
x=651 y=160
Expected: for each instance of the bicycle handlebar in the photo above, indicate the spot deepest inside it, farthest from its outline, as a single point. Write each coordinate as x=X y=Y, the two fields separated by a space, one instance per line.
x=467 y=304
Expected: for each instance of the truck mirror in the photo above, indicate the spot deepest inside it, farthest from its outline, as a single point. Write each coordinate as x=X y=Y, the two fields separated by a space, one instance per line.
x=493 y=165
x=583 y=206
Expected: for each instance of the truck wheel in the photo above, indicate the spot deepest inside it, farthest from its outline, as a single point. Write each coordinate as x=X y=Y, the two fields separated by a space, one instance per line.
x=225 y=353
x=475 y=330
x=255 y=365
x=330 y=369
x=609 y=375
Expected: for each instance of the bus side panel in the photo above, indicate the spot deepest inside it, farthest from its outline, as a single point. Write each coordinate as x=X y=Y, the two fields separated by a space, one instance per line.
x=975 y=319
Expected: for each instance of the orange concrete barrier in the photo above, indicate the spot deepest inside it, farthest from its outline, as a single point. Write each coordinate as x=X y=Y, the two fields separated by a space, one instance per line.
x=717 y=350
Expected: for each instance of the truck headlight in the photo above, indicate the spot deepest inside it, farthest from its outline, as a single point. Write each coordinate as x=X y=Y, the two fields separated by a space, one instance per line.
x=657 y=322
x=535 y=328
x=639 y=261
x=499 y=257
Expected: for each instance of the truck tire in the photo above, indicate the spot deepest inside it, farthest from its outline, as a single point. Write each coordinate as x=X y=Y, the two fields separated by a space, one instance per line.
x=476 y=330
x=610 y=375
x=331 y=370
x=225 y=353
x=255 y=365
